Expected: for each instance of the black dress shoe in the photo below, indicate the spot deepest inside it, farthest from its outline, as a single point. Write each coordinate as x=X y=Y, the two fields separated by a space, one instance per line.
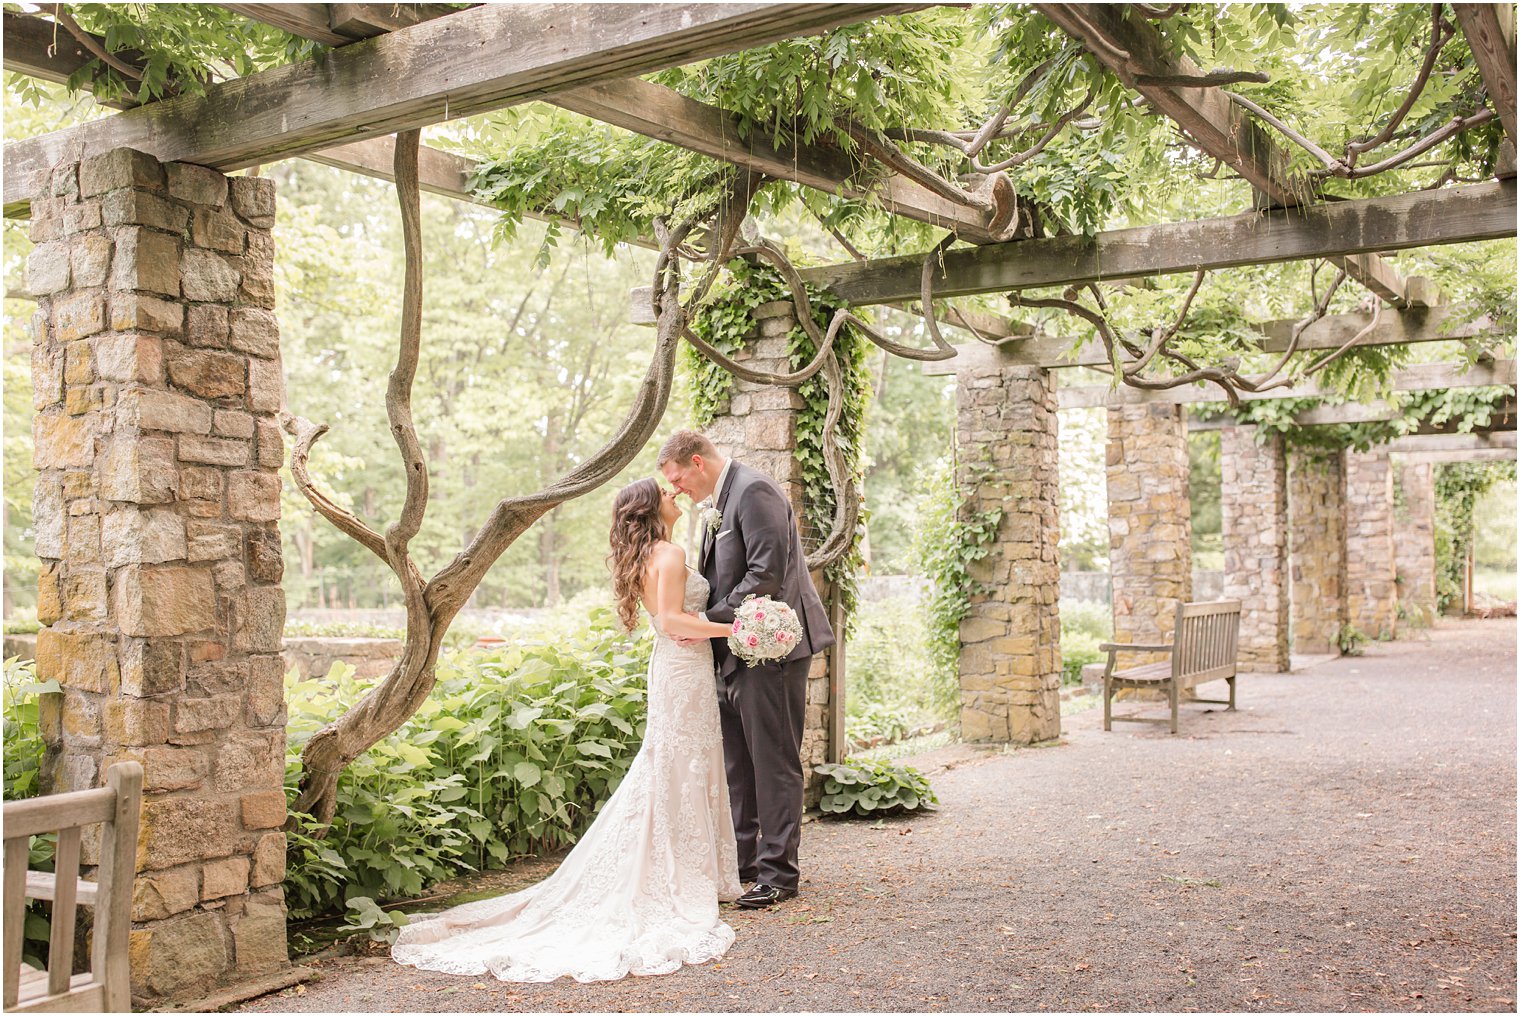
x=761 y=895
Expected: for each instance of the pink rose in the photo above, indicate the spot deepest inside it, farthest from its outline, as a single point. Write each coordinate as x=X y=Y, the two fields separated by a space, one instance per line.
x=737 y=624
x=753 y=640
x=759 y=615
x=782 y=636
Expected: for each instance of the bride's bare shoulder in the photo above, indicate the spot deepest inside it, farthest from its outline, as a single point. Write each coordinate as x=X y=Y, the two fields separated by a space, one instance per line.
x=665 y=552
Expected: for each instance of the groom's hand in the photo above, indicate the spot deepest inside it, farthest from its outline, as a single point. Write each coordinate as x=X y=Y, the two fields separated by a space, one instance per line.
x=682 y=640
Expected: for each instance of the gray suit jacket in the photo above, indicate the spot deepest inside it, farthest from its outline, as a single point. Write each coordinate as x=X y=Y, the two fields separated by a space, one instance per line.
x=758 y=551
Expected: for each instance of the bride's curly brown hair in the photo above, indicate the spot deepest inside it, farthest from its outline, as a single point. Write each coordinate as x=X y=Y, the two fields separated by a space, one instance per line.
x=636 y=528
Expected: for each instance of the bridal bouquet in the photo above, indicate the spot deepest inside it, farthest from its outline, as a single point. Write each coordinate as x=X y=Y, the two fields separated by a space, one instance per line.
x=764 y=630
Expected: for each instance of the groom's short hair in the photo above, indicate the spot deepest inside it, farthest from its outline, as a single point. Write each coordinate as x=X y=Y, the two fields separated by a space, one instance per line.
x=682 y=445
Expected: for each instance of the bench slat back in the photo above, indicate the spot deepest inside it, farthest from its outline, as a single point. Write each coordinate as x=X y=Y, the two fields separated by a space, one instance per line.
x=1205 y=640
x=115 y=807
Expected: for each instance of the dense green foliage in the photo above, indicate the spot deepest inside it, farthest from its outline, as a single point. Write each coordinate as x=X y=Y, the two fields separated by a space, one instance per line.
x=1459 y=486
x=511 y=755
x=184 y=48
x=950 y=539
x=1084 y=626
x=865 y=789
x=893 y=682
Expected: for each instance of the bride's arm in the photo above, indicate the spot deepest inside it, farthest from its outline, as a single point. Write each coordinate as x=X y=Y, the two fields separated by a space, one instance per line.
x=669 y=576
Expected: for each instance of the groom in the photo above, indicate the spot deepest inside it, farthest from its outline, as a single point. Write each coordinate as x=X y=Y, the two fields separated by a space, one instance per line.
x=751 y=547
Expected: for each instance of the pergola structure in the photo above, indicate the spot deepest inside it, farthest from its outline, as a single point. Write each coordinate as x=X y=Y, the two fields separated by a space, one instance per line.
x=158 y=390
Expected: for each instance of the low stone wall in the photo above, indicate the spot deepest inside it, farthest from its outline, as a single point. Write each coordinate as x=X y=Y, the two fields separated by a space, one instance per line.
x=23 y=646
x=314 y=657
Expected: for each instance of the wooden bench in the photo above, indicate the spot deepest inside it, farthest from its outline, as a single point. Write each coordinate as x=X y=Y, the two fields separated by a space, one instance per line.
x=105 y=987
x=1202 y=649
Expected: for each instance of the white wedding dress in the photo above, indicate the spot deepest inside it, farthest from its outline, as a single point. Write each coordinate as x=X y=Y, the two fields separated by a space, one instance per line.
x=639 y=893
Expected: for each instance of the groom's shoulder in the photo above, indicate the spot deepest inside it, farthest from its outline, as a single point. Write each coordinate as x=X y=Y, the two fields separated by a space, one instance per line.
x=749 y=477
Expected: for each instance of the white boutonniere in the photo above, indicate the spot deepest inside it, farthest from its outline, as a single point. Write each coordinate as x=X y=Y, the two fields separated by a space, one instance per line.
x=714 y=521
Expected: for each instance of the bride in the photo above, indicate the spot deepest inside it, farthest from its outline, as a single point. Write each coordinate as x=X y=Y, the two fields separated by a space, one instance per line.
x=639 y=893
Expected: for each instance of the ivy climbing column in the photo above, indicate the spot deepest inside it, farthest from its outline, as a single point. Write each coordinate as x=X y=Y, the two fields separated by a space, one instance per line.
x=1010 y=663
x=1414 y=548
x=156 y=377
x=1253 y=499
x=1372 y=598
x=757 y=424
x=1316 y=550
x=1150 y=522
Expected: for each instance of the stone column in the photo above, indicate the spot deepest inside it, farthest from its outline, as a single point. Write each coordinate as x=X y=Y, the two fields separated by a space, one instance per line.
x=157 y=381
x=1254 y=509
x=1316 y=550
x=1011 y=638
x=759 y=427
x=1150 y=522
x=1372 y=598
x=1415 y=547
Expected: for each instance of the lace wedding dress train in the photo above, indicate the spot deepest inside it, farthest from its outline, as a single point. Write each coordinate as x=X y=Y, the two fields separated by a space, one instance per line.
x=639 y=893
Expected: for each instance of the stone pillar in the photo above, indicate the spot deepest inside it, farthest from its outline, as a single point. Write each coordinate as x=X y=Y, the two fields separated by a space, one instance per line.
x=1150 y=522
x=759 y=427
x=157 y=381
x=1415 y=548
x=1254 y=509
x=1316 y=550
x=1372 y=599
x=1011 y=639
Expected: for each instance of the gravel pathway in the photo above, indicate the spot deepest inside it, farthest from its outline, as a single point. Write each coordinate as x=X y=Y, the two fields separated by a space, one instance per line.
x=1345 y=841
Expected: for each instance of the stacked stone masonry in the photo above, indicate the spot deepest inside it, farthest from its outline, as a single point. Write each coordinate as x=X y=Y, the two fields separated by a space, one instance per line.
x=157 y=381
x=758 y=426
x=1254 y=518
x=1414 y=542
x=1010 y=663
x=1372 y=598
x=1316 y=551
x=1150 y=523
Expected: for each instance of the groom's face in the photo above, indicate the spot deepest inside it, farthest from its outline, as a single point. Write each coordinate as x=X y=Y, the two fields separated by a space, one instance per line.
x=689 y=478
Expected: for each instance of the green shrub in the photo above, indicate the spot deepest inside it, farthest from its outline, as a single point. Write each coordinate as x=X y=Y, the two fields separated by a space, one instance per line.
x=1087 y=617
x=22 y=622
x=1078 y=650
x=873 y=789
x=875 y=721
x=23 y=765
x=510 y=755
x=1350 y=640
x=890 y=667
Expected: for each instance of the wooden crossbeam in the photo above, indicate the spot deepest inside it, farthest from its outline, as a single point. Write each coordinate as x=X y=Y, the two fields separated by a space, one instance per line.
x=1483 y=211
x=655 y=111
x=1452 y=442
x=1490 y=33
x=1422 y=377
x=1133 y=49
x=469 y=62
x=1394 y=327
x=1377 y=411
x=1460 y=455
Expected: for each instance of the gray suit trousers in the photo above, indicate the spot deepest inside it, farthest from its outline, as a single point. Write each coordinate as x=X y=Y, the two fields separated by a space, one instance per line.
x=762 y=709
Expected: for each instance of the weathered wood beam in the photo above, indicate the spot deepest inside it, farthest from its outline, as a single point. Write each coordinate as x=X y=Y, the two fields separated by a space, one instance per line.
x=655 y=111
x=666 y=115
x=1377 y=411
x=1452 y=442
x=478 y=59
x=1483 y=211
x=1133 y=48
x=1458 y=455
x=40 y=48
x=1417 y=378
x=1394 y=327
x=1490 y=32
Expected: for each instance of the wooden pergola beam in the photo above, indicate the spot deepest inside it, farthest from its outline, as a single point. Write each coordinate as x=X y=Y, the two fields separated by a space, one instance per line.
x=1453 y=442
x=1133 y=49
x=1411 y=379
x=1394 y=327
x=1490 y=33
x=1377 y=411
x=654 y=111
x=468 y=62
x=1438 y=458
x=1483 y=211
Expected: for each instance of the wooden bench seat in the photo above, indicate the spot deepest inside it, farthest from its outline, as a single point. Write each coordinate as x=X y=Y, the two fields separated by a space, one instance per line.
x=1203 y=649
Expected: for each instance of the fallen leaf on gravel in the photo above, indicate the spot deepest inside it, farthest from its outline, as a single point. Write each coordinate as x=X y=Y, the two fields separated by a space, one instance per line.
x=478 y=985
x=1005 y=929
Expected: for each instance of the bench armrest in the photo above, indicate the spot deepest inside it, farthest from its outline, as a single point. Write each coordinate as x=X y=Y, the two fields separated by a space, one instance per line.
x=1132 y=647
